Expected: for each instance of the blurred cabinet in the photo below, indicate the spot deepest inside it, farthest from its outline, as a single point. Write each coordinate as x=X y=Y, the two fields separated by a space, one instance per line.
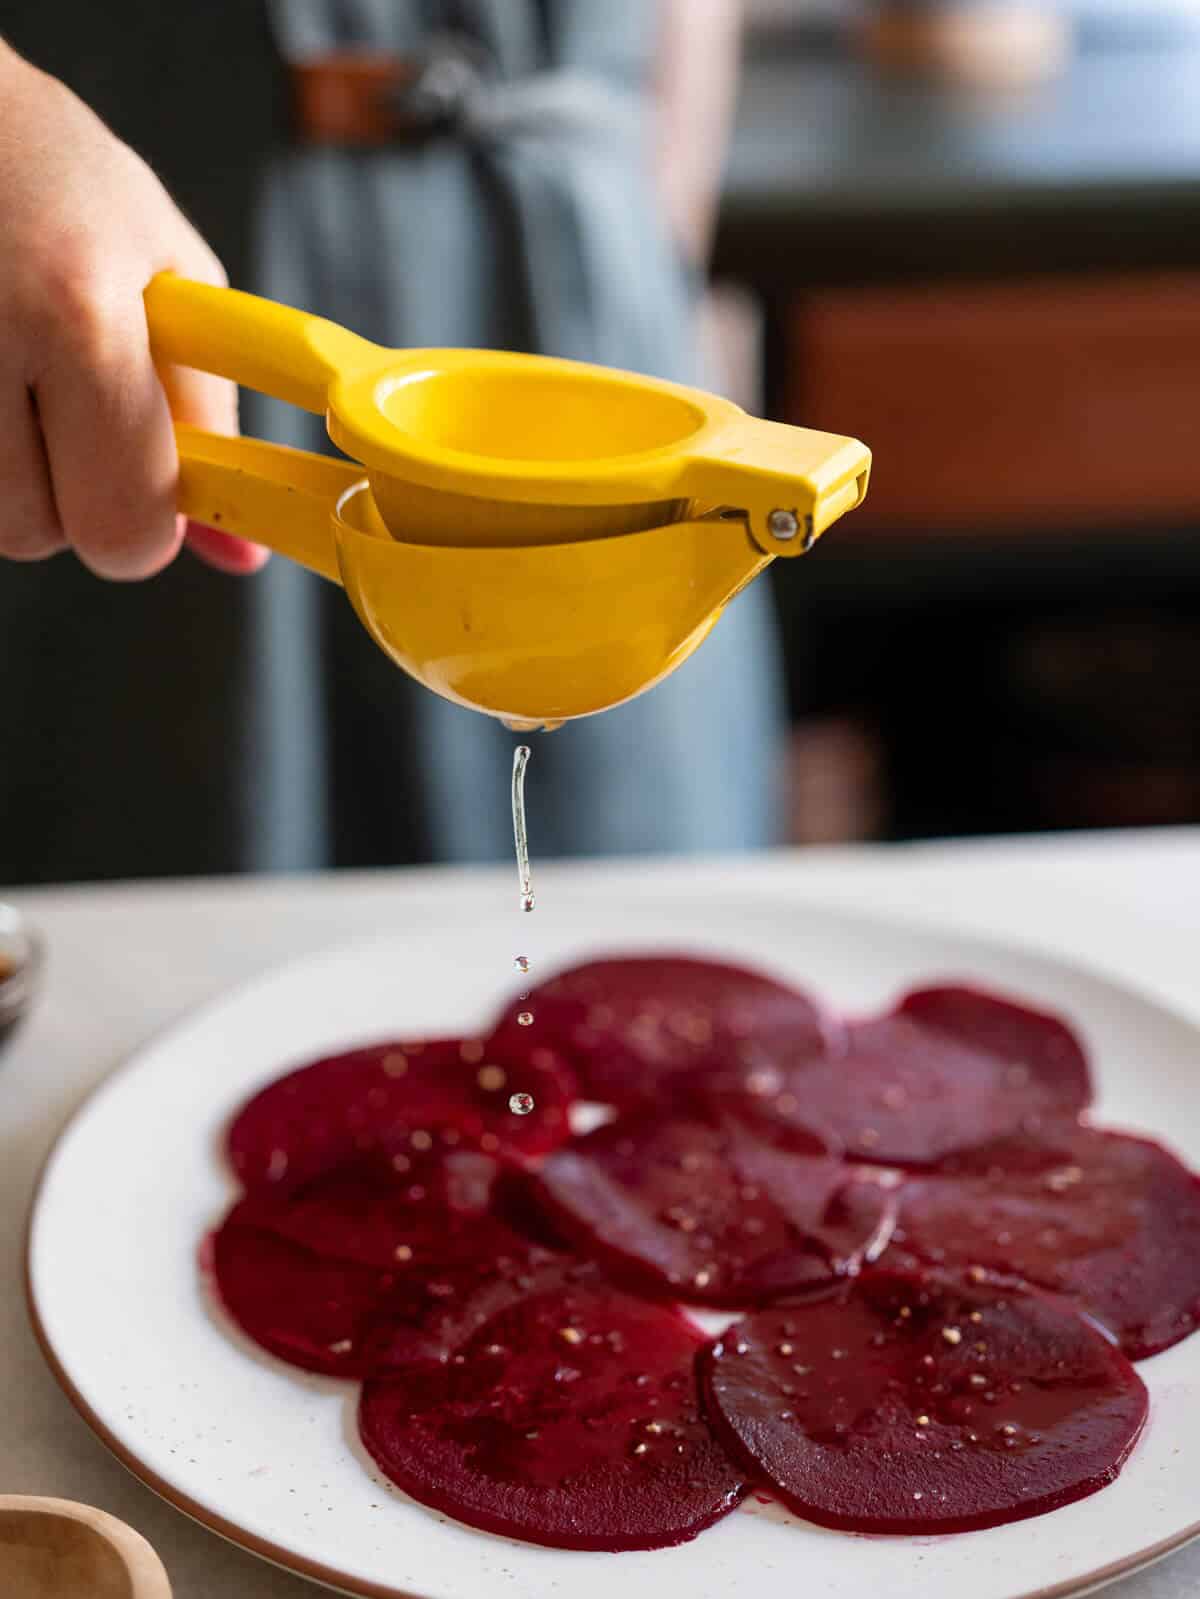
x=1019 y=429
x=1001 y=294
x=1024 y=406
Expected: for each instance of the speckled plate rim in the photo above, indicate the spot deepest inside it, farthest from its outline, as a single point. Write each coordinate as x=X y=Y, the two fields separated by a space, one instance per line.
x=970 y=953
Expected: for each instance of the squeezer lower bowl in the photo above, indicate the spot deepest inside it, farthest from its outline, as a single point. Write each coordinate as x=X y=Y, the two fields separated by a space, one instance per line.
x=539 y=633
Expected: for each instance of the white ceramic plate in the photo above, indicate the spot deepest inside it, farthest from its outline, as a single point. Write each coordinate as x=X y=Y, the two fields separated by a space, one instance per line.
x=269 y=1457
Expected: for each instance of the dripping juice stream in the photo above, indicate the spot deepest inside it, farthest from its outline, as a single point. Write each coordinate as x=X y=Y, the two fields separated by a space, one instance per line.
x=521 y=1104
x=520 y=830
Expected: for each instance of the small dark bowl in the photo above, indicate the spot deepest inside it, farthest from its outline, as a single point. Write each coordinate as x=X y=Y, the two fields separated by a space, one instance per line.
x=20 y=970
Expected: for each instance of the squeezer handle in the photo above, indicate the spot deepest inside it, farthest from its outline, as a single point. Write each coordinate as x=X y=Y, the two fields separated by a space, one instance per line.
x=791 y=482
x=272 y=495
x=272 y=348
x=267 y=493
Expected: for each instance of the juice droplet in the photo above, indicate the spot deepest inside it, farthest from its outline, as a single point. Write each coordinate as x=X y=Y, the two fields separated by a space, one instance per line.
x=524 y=1018
x=520 y=829
x=520 y=1104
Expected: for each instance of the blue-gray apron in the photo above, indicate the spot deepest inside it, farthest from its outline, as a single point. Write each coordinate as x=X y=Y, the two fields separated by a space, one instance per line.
x=203 y=724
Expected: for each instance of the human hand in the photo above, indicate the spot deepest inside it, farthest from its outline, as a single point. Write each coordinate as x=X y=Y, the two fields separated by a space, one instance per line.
x=87 y=451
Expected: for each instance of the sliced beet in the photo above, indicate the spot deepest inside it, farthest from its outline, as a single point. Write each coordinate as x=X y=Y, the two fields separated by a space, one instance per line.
x=395 y=1266
x=1047 y=1049
x=629 y=1027
x=380 y=1211
x=570 y=1419
x=693 y=1211
x=1109 y=1220
x=400 y=1098
x=516 y=1201
x=303 y=1309
x=901 y=1092
x=429 y=1314
x=899 y=1404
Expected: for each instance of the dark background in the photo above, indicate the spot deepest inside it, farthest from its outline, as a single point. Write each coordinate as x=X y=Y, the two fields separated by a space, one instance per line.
x=998 y=287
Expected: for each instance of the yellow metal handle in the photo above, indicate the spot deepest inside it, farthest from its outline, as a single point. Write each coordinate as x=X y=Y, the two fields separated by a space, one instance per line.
x=272 y=348
x=275 y=496
x=792 y=482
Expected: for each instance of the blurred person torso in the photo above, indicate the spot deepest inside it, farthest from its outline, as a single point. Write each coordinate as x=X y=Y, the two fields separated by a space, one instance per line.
x=203 y=724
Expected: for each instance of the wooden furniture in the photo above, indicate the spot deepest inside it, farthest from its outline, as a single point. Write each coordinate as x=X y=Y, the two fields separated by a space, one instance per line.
x=1036 y=406
x=1000 y=291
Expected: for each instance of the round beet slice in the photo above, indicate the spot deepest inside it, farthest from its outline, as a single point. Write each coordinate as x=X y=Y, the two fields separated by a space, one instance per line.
x=428 y=1314
x=400 y=1098
x=629 y=1027
x=1109 y=1220
x=381 y=1211
x=1037 y=1046
x=347 y=1319
x=570 y=1419
x=299 y=1307
x=442 y=1262
x=900 y=1093
x=903 y=1405
x=705 y=1213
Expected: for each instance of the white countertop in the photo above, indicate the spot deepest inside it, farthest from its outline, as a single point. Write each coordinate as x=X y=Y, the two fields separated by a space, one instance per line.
x=126 y=960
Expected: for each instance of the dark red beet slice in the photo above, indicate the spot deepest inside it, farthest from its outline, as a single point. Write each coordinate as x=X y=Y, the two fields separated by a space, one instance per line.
x=902 y=1405
x=1110 y=1220
x=693 y=1211
x=303 y=1309
x=429 y=1314
x=569 y=1420
x=401 y=1098
x=380 y=1211
x=901 y=1093
x=517 y=1202
x=393 y=1267
x=628 y=1027
x=1047 y=1049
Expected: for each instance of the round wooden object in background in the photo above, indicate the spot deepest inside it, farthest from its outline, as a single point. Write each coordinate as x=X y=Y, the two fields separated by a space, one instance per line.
x=53 y=1549
x=993 y=43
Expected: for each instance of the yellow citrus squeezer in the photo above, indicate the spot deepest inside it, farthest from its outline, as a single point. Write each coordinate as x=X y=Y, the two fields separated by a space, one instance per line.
x=535 y=538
